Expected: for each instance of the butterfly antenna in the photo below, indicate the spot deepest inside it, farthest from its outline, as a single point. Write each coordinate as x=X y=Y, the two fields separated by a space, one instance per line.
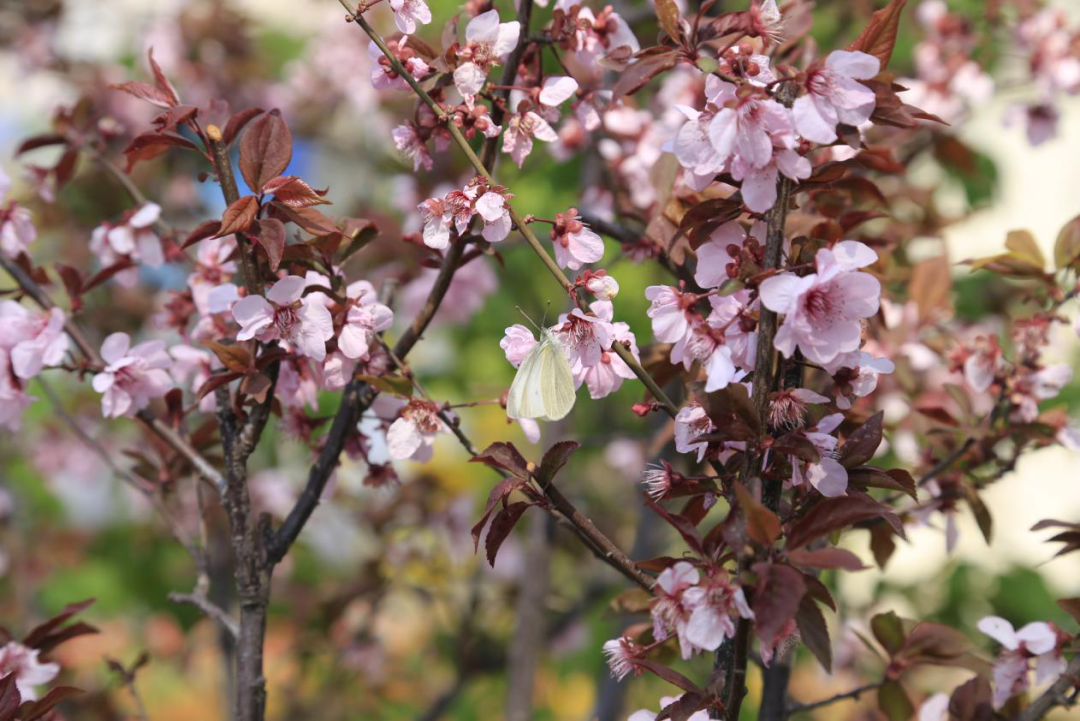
x=534 y=325
x=543 y=323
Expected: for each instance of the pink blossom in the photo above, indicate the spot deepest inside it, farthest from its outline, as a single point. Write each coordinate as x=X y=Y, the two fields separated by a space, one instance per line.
x=748 y=131
x=516 y=343
x=298 y=386
x=383 y=75
x=412 y=435
x=410 y=143
x=486 y=43
x=691 y=422
x=981 y=362
x=337 y=371
x=133 y=375
x=1038 y=640
x=575 y=244
x=133 y=238
x=713 y=603
x=283 y=315
x=555 y=91
x=714 y=257
x=492 y=207
x=822 y=310
x=670 y=609
x=733 y=315
x=585 y=337
x=520 y=130
x=856 y=373
x=212 y=268
x=827 y=476
x=408 y=12
x=33 y=340
x=691 y=145
x=196 y=365
x=621 y=653
x=13 y=398
x=606 y=376
x=1027 y=389
x=646 y=715
x=670 y=312
x=835 y=95
x=17 y=229
x=29 y=672
x=436 y=223
x=365 y=317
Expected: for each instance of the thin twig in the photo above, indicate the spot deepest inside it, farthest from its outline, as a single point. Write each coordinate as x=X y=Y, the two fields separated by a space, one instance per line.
x=211 y=609
x=852 y=694
x=1055 y=695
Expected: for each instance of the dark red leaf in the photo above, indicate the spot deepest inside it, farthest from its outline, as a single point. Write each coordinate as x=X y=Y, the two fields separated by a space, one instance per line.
x=501 y=525
x=40 y=634
x=762 y=525
x=971 y=701
x=238 y=217
x=831 y=514
x=814 y=632
x=38 y=709
x=40 y=141
x=505 y=456
x=106 y=273
x=10 y=698
x=294 y=192
x=144 y=91
x=1071 y=606
x=641 y=72
x=271 y=236
x=204 y=230
x=216 y=381
x=896 y=479
x=237 y=123
x=161 y=82
x=501 y=490
x=826 y=558
x=64 y=169
x=686 y=529
x=309 y=219
x=265 y=150
x=780 y=590
x=150 y=145
x=859 y=447
x=670 y=675
x=878 y=38
x=554 y=459
x=73 y=282
x=172 y=117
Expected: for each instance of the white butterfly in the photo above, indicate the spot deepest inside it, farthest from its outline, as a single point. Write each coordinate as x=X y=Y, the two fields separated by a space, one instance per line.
x=544 y=386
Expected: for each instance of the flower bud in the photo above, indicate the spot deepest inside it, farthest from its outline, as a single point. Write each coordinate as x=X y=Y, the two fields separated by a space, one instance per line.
x=604 y=287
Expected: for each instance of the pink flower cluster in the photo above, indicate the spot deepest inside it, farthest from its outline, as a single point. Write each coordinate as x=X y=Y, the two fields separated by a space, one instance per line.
x=457 y=208
x=1038 y=641
x=29 y=342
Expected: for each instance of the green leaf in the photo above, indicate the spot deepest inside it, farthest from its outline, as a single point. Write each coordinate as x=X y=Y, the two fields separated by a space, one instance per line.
x=889 y=631
x=894 y=702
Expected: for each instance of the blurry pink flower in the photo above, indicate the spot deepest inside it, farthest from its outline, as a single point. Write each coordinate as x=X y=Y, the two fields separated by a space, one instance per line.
x=856 y=373
x=734 y=315
x=556 y=90
x=410 y=143
x=691 y=145
x=520 y=130
x=748 y=131
x=196 y=365
x=337 y=371
x=17 y=230
x=383 y=76
x=133 y=237
x=713 y=603
x=212 y=268
x=516 y=343
x=436 y=223
x=1037 y=640
x=575 y=244
x=822 y=311
x=827 y=475
x=670 y=608
x=982 y=362
x=621 y=654
x=1027 y=390
x=34 y=340
x=408 y=12
x=29 y=672
x=133 y=376
x=412 y=435
x=13 y=398
x=297 y=387
x=282 y=314
x=365 y=317
x=835 y=95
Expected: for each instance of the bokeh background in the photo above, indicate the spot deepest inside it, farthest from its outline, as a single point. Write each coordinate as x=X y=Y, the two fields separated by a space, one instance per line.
x=384 y=611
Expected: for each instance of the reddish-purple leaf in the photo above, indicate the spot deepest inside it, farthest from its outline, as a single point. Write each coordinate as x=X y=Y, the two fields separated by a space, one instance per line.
x=972 y=701
x=73 y=282
x=150 y=145
x=161 y=82
x=641 y=72
x=878 y=38
x=172 y=117
x=1071 y=606
x=501 y=490
x=65 y=634
x=294 y=192
x=144 y=91
x=555 y=458
x=236 y=358
x=271 y=236
x=216 y=381
x=814 y=632
x=238 y=217
x=826 y=558
x=896 y=479
x=888 y=629
x=762 y=525
x=505 y=456
x=831 y=514
x=204 y=230
x=859 y=447
x=40 y=141
x=106 y=273
x=818 y=591
x=780 y=590
x=688 y=704
x=309 y=219
x=64 y=169
x=265 y=150
x=501 y=525
x=686 y=529
x=670 y=675
x=38 y=709
x=40 y=634
x=10 y=698
x=237 y=123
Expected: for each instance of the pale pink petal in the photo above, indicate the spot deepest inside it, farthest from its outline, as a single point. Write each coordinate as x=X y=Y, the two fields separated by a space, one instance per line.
x=287 y=290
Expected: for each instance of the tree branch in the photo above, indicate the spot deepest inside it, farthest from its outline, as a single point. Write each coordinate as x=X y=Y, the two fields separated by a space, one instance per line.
x=211 y=609
x=852 y=694
x=1055 y=695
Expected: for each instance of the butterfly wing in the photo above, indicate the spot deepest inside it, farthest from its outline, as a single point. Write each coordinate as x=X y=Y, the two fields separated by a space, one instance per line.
x=525 y=399
x=557 y=382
